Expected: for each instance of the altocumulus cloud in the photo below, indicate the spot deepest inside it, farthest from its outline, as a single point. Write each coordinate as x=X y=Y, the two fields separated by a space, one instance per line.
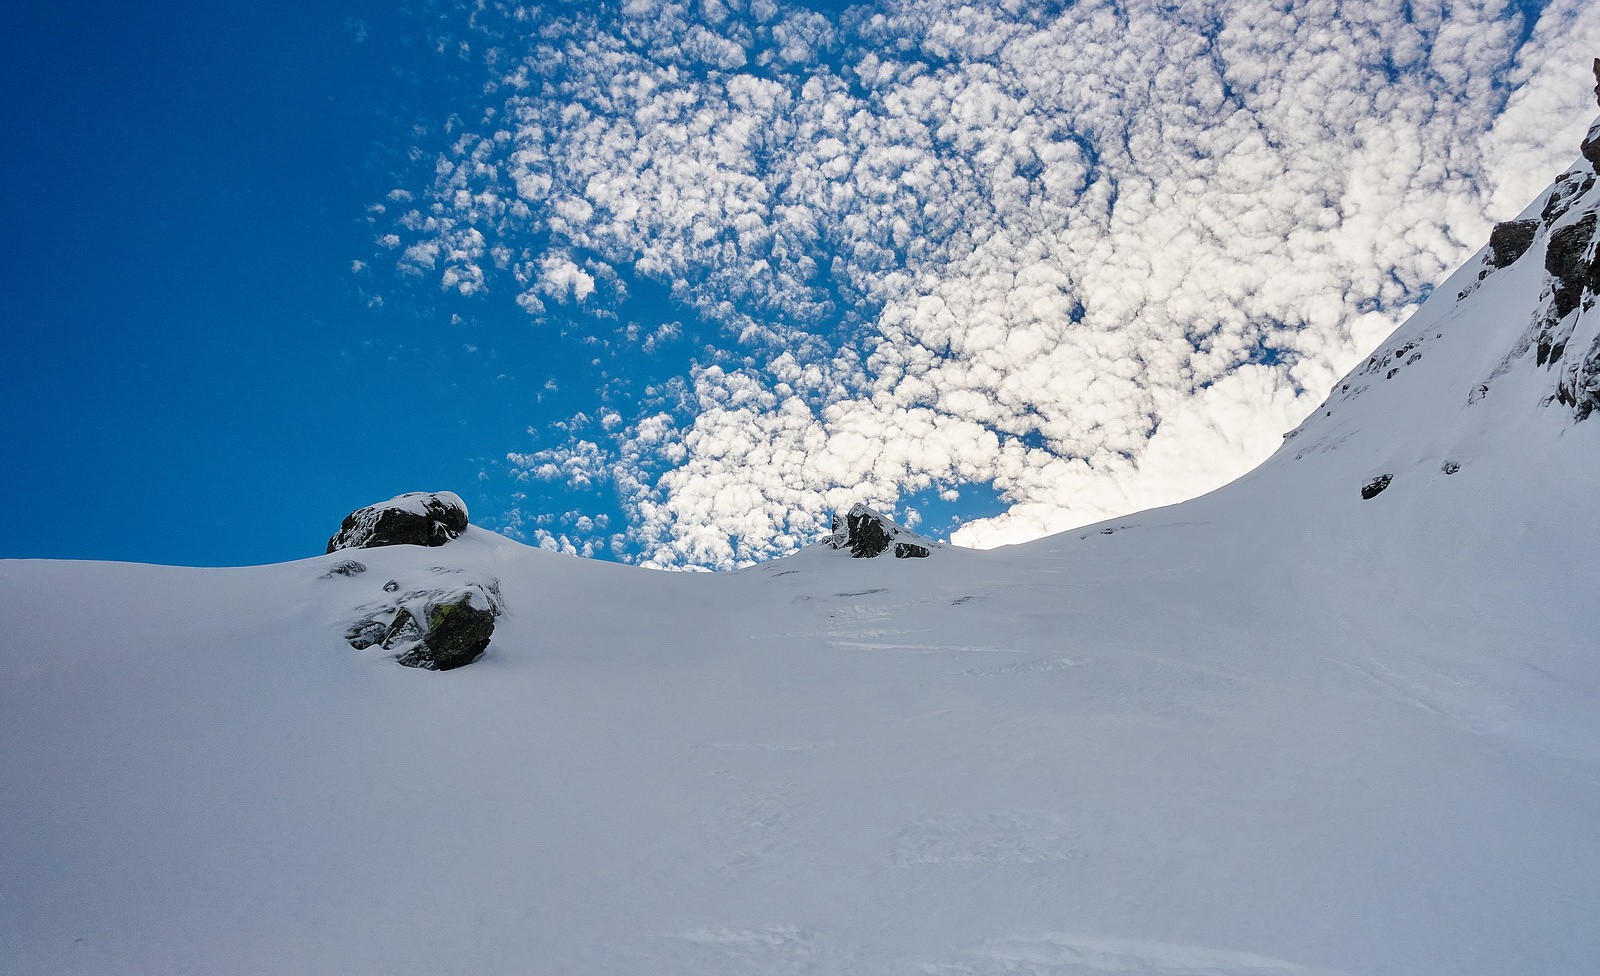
x=1099 y=255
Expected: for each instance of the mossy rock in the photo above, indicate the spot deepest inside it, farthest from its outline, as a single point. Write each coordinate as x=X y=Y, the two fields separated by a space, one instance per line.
x=457 y=634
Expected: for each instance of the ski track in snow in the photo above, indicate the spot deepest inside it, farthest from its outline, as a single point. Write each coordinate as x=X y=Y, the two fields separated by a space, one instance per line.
x=861 y=645
x=782 y=950
x=1039 y=666
x=987 y=839
x=1063 y=955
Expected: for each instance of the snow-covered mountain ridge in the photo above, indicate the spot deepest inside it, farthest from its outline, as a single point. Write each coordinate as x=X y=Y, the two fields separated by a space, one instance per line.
x=1295 y=726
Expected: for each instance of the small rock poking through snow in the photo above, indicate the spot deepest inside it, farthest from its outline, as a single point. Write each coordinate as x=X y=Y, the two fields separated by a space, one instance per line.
x=417 y=518
x=436 y=624
x=345 y=567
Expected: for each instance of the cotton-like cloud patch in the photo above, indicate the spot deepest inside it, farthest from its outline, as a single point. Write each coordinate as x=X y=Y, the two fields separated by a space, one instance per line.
x=1100 y=255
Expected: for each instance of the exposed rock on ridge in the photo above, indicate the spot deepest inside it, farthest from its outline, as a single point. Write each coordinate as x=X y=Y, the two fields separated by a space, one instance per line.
x=1538 y=279
x=1509 y=240
x=865 y=534
x=1572 y=284
x=1568 y=226
x=417 y=518
x=1573 y=263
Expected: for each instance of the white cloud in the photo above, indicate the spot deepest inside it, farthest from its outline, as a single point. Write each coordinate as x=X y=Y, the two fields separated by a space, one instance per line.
x=1099 y=255
x=580 y=464
x=560 y=278
x=1545 y=118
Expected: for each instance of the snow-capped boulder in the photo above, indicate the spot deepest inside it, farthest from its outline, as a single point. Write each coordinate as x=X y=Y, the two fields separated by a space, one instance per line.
x=865 y=533
x=417 y=518
x=440 y=622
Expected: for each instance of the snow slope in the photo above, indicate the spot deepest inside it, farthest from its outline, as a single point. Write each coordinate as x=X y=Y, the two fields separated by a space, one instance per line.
x=1280 y=729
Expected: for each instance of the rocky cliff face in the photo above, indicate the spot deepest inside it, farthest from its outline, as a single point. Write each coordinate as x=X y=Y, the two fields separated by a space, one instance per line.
x=1563 y=335
x=1561 y=233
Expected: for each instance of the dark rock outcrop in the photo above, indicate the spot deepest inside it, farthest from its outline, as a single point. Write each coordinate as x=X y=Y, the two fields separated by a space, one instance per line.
x=1509 y=241
x=862 y=531
x=456 y=634
x=417 y=518
x=865 y=534
x=437 y=628
x=1372 y=488
x=1571 y=265
x=1580 y=387
x=1572 y=259
x=1568 y=188
x=1563 y=321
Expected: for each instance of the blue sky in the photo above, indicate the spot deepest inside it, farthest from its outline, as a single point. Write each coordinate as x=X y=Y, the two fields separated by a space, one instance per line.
x=194 y=375
x=667 y=283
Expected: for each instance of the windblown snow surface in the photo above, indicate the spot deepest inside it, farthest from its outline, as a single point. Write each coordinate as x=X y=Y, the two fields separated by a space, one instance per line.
x=1279 y=729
